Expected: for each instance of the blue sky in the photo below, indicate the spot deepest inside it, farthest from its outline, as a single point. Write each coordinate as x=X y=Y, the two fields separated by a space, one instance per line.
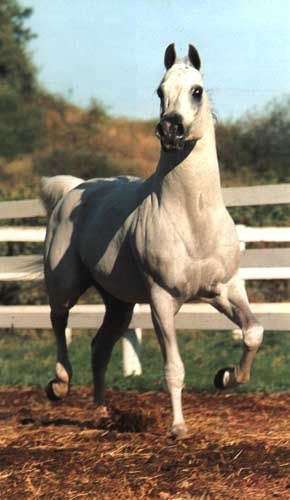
x=112 y=50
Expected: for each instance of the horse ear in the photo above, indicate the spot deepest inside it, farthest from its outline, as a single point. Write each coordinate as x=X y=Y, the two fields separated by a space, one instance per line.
x=193 y=57
x=169 y=56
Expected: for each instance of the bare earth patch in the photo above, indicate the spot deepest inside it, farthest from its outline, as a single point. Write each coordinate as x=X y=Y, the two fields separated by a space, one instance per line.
x=239 y=447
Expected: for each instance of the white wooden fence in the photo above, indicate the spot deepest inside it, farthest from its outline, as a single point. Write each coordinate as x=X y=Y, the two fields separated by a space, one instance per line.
x=256 y=264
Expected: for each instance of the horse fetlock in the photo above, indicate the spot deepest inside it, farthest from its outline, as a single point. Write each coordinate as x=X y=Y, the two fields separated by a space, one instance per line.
x=172 y=383
x=56 y=390
x=253 y=337
x=99 y=394
x=230 y=377
x=102 y=412
x=179 y=431
x=63 y=374
x=243 y=378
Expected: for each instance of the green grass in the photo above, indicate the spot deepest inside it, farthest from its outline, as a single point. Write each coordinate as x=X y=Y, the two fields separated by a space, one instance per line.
x=29 y=359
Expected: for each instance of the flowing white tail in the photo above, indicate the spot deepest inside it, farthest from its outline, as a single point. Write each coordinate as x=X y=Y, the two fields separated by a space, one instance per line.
x=52 y=189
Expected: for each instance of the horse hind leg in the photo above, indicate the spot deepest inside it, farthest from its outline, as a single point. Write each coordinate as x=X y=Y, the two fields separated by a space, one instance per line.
x=59 y=387
x=64 y=293
x=233 y=302
x=116 y=321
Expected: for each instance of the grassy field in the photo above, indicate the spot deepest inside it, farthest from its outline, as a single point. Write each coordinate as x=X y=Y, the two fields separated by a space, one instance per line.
x=29 y=359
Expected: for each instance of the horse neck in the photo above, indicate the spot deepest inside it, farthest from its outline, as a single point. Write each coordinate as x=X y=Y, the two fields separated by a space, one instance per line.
x=183 y=176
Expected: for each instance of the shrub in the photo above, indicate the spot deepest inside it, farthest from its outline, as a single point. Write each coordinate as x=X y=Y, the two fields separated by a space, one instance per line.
x=97 y=111
x=21 y=124
x=258 y=143
x=84 y=163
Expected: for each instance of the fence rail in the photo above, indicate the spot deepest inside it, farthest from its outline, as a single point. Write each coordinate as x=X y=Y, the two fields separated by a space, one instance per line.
x=262 y=264
x=246 y=234
x=274 y=316
x=272 y=194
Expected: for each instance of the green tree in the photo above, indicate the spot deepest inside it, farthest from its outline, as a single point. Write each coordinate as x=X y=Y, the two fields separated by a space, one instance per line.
x=21 y=125
x=258 y=144
x=16 y=69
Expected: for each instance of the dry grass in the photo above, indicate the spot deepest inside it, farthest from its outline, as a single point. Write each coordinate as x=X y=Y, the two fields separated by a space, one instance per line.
x=129 y=144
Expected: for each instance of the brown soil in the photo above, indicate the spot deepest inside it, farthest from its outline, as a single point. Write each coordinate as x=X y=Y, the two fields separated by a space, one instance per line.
x=239 y=447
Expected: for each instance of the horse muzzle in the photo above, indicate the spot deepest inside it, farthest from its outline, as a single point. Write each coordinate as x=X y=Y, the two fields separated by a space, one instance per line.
x=171 y=132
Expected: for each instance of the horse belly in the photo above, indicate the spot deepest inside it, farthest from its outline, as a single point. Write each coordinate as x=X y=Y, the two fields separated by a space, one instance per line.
x=117 y=272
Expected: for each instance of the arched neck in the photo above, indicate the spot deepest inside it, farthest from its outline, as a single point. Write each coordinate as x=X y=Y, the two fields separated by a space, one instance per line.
x=191 y=171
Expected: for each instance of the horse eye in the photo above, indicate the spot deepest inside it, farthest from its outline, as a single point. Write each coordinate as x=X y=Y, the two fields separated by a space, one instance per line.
x=197 y=93
x=160 y=93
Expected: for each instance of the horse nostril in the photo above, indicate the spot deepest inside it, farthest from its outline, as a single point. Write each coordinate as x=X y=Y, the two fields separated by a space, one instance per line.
x=166 y=127
x=171 y=125
x=180 y=132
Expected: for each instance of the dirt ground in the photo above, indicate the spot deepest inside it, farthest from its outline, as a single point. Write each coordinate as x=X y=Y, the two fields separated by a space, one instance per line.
x=239 y=447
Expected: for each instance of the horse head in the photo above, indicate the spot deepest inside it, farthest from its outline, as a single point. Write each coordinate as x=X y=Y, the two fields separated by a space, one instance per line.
x=183 y=101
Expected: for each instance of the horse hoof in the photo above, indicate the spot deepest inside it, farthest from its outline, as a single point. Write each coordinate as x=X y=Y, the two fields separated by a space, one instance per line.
x=50 y=393
x=56 y=391
x=102 y=412
x=179 y=431
x=224 y=378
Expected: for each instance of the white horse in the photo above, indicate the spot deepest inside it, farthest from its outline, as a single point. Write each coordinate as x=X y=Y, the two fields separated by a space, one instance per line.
x=164 y=241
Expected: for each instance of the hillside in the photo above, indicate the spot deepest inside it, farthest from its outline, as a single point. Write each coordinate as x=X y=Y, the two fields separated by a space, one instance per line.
x=86 y=142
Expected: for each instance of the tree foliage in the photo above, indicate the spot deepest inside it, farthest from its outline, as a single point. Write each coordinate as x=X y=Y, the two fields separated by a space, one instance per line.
x=21 y=129
x=16 y=69
x=258 y=143
x=81 y=163
x=21 y=124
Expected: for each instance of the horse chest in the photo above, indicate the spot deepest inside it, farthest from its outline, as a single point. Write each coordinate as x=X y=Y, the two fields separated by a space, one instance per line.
x=187 y=258
x=169 y=259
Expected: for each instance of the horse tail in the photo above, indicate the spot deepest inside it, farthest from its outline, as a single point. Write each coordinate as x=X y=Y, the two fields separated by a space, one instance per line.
x=33 y=268
x=52 y=189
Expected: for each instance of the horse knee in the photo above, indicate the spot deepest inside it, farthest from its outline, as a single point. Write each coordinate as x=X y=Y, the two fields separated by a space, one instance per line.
x=253 y=337
x=174 y=375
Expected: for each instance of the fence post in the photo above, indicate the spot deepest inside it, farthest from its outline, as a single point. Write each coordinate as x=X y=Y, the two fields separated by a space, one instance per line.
x=132 y=341
x=68 y=335
x=237 y=333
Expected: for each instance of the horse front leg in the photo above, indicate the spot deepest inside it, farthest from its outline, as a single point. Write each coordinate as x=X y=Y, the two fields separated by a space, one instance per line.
x=233 y=302
x=163 y=310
